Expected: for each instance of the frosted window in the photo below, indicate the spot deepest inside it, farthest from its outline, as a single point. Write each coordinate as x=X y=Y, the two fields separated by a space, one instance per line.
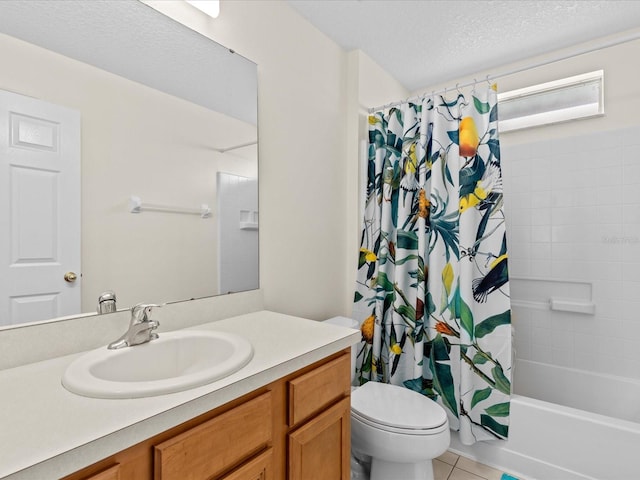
x=559 y=101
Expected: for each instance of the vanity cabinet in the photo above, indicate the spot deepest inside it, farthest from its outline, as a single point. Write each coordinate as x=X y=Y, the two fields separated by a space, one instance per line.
x=296 y=428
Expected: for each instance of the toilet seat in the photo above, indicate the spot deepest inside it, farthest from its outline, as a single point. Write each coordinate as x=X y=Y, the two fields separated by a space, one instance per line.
x=377 y=405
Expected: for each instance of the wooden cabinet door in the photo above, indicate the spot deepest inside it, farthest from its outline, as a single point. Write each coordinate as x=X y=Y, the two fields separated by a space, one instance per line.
x=320 y=449
x=257 y=469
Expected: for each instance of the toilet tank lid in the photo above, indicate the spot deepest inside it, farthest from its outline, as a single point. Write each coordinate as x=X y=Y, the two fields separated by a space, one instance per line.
x=396 y=406
x=343 y=322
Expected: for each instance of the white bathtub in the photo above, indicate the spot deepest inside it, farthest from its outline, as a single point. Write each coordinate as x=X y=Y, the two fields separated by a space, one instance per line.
x=548 y=441
x=608 y=395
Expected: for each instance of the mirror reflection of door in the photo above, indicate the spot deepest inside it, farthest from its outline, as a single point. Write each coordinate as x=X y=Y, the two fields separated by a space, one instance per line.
x=39 y=210
x=237 y=201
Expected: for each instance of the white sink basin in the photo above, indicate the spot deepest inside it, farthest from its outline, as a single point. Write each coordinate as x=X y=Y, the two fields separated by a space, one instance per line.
x=174 y=362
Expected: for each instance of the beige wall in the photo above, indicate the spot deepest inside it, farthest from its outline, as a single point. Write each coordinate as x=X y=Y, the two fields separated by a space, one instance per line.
x=302 y=128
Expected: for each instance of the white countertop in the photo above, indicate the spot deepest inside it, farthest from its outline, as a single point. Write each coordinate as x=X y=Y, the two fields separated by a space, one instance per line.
x=48 y=432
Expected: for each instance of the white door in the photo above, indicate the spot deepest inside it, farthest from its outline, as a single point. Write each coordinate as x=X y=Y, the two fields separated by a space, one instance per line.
x=39 y=210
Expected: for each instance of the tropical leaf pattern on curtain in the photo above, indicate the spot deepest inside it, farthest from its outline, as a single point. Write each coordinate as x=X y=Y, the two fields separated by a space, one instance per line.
x=432 y=269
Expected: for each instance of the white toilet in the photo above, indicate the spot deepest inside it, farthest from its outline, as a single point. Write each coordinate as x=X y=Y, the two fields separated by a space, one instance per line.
x=398 y=430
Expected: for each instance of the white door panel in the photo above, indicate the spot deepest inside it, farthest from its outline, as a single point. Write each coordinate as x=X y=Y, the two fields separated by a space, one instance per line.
x=39 y=209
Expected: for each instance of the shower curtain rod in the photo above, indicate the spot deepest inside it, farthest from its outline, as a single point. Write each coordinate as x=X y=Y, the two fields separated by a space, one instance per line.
x=576 y=53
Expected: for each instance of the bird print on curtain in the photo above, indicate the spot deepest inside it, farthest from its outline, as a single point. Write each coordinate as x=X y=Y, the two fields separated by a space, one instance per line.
x=432 y=270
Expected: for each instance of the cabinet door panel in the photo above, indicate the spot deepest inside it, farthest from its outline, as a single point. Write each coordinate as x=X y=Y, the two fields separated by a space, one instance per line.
x=320 y=449
x=214 y=446
x=258 y=468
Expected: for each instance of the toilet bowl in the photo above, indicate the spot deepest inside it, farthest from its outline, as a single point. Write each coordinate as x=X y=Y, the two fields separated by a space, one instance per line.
x=395 y=432
x=401 y=431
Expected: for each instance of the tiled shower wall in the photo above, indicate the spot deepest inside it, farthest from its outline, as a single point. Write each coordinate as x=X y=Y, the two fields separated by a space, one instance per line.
x=573 y=218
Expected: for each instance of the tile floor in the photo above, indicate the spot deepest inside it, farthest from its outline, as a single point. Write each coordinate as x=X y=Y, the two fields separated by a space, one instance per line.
x=451 y=466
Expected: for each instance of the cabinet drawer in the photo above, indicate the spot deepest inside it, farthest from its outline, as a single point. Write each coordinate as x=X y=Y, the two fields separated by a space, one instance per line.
x=216 y=445
x=314 y=391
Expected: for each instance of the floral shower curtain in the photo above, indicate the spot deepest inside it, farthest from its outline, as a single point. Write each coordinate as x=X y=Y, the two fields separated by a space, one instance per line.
x=432 y=272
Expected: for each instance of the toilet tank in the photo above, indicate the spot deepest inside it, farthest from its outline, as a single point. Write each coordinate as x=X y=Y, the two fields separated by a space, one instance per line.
x=348 y=323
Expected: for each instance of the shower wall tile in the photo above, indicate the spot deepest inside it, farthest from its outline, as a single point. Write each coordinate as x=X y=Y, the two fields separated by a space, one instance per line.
x=541 y=216
x=630 y=195
x=586 y=342
x=629 y=368
x=630 y=136
x=541 y=234
x=631 y=290
x=539 y=183
x=520 y=250
x=607 y=215
x=609 y=176
x=541 y=251
x=631 y=235
x=542 y=199
x=631 y=272
x=562 y=356
x=631 y=214
x=631 y=173
x=630 y=349
x=540 y=336
x=521 y=234
x=520 y=216
x=608 y=253
x=563 y=339
x=562 y=322
x=519 y=199
x=629 y=155
x=613 y=290
x=609 y=195
x=562 y=198
x=630 y=310
x=519 y=267
x=540 y=268
x=540 y=352
x=573 y=214
x=519 y=183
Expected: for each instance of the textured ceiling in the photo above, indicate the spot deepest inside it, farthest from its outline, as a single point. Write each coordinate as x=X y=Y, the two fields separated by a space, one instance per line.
x=427 y=42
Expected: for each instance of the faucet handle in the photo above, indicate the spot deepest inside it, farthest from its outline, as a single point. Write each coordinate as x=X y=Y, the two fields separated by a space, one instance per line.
x=140 y=312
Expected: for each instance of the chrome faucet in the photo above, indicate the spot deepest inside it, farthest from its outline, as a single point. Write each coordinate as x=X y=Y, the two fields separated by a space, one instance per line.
x=141 y=328
x=107 y=302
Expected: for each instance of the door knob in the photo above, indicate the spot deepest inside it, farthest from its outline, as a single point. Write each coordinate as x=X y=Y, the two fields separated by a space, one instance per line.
x=70 y=277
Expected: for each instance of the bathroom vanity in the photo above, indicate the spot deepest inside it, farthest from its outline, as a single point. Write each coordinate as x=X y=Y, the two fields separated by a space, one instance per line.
x=285 y=414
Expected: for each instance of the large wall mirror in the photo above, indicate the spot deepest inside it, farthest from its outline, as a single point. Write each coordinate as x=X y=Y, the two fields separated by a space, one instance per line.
x=128 y=158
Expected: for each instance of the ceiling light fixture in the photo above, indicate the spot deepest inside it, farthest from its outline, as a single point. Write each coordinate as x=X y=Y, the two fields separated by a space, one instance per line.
x=210 y=7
